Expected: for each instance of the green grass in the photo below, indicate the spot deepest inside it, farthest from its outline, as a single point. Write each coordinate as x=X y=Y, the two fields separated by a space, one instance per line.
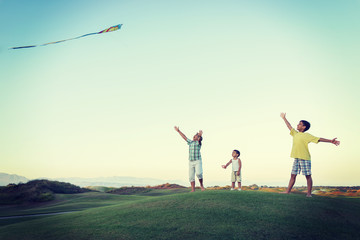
x=67 y=202
x=216 y=214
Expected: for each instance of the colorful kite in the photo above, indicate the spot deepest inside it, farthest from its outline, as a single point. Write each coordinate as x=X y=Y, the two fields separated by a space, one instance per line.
x=110 y=29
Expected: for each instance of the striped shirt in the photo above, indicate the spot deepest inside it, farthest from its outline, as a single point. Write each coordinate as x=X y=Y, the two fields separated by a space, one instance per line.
x=194 y=150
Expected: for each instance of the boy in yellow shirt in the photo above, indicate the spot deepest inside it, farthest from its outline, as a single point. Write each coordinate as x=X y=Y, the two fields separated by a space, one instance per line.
x=300 y=152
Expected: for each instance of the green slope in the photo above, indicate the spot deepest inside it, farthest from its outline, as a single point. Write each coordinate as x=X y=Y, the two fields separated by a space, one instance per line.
x=201 y=215
x=66 y=202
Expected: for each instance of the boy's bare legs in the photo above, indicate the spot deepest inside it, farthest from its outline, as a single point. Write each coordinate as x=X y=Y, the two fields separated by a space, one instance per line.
x=232 y=185
x=291 y=183
x=239 y=185
x=309 y=185
x=192 y=186
x=201 y=184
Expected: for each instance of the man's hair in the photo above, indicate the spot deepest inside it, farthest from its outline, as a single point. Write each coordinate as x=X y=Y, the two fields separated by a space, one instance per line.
x=237 y=151
x=306 y=124
x=200 y=140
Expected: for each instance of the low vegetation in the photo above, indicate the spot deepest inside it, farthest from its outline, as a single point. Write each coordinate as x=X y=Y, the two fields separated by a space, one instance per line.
x=36 y=191
x=129 y=190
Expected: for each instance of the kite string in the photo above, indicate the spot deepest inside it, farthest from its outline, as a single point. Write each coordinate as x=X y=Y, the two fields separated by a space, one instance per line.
x=110 y=29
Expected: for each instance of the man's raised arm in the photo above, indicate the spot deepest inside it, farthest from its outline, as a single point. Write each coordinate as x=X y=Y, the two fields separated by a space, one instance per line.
x=181 y=134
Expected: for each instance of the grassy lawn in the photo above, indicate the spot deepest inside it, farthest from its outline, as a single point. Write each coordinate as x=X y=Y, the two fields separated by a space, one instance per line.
x=215 y=214
x=67 y=202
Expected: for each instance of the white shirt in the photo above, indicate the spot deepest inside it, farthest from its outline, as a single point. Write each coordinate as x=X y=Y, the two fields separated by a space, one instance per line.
x=235 y=164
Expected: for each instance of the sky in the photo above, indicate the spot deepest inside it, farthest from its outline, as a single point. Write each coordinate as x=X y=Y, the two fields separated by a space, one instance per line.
x=106 y=105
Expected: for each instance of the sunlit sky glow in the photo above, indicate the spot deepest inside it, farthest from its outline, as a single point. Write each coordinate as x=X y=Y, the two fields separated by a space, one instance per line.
x=106 y=105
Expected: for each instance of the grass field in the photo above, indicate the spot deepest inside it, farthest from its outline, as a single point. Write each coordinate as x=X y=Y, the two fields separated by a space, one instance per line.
x=213 y=214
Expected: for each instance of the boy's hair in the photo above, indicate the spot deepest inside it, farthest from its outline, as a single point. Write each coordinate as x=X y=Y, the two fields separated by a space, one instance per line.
x=237 y=151
x=306 y=124
x=200 y=139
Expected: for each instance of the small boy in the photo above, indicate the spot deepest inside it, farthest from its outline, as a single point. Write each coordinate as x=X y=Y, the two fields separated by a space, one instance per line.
x=300 y=152
x=236 y=169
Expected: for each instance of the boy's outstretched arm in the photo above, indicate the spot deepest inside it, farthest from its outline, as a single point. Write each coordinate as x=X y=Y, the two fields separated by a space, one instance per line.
x=181 y=134
x=283 y=116
x=333 y=141
x=225 y=166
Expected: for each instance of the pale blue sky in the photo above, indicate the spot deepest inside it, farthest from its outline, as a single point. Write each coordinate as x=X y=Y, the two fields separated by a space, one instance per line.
x=106 y=105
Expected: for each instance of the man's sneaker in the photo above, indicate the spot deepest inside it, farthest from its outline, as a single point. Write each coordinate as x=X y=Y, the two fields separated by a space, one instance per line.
x=231 y=189
x=239 y=189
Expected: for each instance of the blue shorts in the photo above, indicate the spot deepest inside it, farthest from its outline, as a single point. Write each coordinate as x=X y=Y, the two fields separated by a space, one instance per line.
x=301 y=165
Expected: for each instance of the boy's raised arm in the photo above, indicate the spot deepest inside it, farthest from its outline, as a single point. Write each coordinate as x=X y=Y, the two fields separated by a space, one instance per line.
x=283 y=116
x=181 y=134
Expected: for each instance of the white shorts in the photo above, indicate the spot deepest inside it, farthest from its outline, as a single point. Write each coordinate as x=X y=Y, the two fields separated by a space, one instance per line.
x=235 y=177
x=195 y=167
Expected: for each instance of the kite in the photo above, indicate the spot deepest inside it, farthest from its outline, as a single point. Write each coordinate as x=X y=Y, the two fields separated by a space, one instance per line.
x=110 y=29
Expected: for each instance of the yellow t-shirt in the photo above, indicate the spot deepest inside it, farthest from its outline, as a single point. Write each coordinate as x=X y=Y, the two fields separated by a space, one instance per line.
x=300 y=144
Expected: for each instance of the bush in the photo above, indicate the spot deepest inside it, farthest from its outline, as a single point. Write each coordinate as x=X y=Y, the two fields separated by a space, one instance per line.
x=36 y=191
